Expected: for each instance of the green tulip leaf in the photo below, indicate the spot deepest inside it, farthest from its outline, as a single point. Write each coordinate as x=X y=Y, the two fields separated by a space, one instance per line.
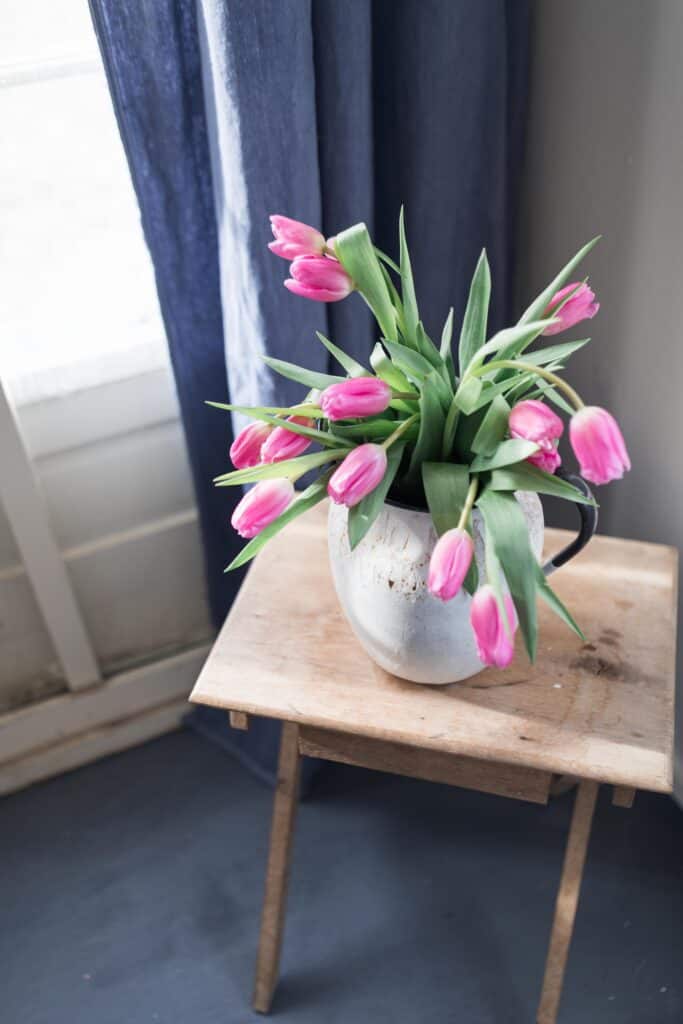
x=467 y=395
x=447 y=336
x=395 y=298
x=417 y=368
x=508 y=342
x=370 y=430
x=473 y=332
x=552 y=600
x=309 y=378
x=428 y=445
x=384 y=368
x=554 y=353
x=507 y=531
x=321 y=436
x=290 y=468
x=493 y=428
x=445 y=485
x=410 y=311
x=352 y=367
x=546 y=390
x=506 y=454
x=428 y=349
x=525 y=477
x=355 y=251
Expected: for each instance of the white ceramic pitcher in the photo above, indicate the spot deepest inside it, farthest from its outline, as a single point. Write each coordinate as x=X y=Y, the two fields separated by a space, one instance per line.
x=382 y=588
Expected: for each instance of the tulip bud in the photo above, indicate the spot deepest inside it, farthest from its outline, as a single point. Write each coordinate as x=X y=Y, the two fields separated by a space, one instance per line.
x=360 y=472
x=293 y=239
x=534 y=421
x=494 y=646
x=285 y=444
x=321 y=278
x=245 y=450
x=261 y=505
x=598 y=445
x=449 y=563
x=359 y=396
x=581 y=306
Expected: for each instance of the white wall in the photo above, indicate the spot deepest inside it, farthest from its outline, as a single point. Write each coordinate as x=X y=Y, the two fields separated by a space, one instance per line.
x=605 y=155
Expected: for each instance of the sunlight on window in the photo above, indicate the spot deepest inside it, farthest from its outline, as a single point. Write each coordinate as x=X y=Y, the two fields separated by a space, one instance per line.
x=78 y=305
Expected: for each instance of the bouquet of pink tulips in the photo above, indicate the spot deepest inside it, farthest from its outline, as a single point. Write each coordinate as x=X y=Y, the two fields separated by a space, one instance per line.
x=429 y=426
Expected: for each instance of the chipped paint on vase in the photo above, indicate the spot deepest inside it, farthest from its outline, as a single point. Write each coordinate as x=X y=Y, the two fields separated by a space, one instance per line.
x=382 y=588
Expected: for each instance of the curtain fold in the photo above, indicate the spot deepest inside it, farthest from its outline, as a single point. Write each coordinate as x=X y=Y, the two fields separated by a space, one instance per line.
x=330 y=113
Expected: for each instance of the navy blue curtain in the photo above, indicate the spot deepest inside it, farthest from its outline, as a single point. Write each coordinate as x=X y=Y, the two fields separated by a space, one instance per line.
x=330 y=112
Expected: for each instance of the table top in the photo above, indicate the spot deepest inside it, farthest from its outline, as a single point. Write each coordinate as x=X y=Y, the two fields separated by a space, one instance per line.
x=601 y=709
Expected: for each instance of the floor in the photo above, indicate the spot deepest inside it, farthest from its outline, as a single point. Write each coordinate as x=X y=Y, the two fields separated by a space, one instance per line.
x=130 y=893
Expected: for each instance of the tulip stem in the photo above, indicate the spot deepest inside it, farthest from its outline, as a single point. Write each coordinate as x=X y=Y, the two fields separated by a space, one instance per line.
x=303 y=408
x=469 y=502
x=520 y=364
x=400 y=430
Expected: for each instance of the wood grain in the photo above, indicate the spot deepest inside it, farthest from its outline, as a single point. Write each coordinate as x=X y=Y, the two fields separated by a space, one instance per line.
x=601 y=710
x=277 y=872
x=623 y=796
x=567 y=901
x=432 y=765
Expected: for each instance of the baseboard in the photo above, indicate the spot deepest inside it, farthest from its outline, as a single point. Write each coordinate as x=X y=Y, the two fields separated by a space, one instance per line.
x=74 y=729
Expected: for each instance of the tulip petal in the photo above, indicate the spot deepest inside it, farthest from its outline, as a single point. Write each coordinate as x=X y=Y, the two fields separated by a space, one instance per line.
x=581 y=306
x=358 y=397
x=360 y=472
x=449 y=564
x=245 y=450
x=261 y=505
x=598 y=445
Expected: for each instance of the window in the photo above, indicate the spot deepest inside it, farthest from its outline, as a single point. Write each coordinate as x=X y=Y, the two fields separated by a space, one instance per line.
x=84 y=359
x=78 y=305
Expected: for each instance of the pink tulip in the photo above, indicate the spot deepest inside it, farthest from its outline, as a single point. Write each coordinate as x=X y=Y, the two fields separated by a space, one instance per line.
x=261 y=505
x=359 y=473
x=598 y=445
x=581 y=306
x=534 y=421
x=292 y=238
x=321 y=278
x=449 y=563
x=245 y=450
x=285 y=444
x=494 y=646
x=359 y=396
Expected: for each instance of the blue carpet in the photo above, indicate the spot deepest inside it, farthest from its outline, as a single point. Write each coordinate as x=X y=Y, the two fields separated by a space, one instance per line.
x=130 y=894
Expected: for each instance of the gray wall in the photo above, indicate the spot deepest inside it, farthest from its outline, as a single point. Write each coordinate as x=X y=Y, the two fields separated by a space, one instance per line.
x=604 y=155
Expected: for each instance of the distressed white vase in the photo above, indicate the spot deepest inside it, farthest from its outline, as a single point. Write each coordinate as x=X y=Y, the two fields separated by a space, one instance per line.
x=382 y=588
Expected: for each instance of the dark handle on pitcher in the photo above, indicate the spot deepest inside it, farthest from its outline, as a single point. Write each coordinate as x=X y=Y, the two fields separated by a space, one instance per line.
x=589 y=524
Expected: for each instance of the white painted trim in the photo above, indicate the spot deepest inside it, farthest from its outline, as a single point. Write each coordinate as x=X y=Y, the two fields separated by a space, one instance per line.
x=52 y=425
x=31 y=729
x=112 y=540
x=90 y=746
x=45 y=567
x=22 y=72
x=143 y=596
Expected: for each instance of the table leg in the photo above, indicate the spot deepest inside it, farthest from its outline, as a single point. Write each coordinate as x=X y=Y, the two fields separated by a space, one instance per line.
x=277 y=872
x=567 y=901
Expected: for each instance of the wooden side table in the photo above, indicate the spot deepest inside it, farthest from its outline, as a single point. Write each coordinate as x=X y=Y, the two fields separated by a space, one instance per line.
x=601 y=712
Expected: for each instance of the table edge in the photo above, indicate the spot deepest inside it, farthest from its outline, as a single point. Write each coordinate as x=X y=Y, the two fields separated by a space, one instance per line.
x=540 y=763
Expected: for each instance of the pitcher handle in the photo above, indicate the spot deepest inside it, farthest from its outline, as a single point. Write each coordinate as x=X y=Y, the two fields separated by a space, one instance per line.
x=589 y=524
